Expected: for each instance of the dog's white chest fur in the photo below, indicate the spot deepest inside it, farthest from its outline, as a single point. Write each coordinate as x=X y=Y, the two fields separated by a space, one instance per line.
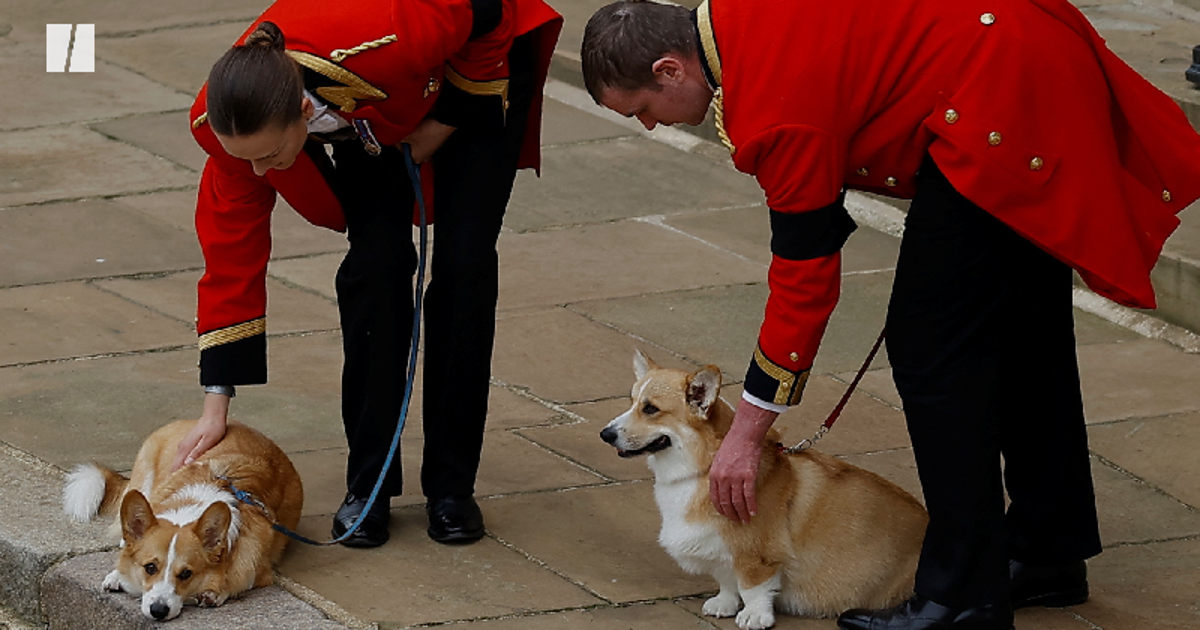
x=695 y=544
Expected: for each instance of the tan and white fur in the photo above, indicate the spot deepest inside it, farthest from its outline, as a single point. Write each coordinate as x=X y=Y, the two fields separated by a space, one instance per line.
x=185 y=538
x=828 y=536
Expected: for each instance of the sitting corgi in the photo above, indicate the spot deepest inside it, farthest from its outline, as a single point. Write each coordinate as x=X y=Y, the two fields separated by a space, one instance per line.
x=828 y=535
x=185 y=538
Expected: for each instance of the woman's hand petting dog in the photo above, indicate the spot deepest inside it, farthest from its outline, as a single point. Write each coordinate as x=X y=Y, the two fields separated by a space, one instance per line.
x=207 y=432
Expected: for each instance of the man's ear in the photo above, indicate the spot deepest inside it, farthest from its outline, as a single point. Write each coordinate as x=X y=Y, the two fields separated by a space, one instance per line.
x=670 y=68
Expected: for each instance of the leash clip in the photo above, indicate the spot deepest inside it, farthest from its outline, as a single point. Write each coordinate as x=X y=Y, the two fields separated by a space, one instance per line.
x=804 y=444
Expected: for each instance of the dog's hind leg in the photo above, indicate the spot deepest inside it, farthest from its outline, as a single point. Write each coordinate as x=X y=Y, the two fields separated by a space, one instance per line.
x=759 y=612
x=726 y=602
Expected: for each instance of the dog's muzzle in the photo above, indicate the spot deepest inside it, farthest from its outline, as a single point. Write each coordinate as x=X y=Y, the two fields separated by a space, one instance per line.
x=609 y=435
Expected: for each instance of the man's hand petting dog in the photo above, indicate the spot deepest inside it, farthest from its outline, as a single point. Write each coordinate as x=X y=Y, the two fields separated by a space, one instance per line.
x=735 y=468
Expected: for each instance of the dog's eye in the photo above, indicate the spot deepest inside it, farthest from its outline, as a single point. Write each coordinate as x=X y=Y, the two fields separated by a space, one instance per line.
x=185 y=574
x=649 y=409
x=150 y=568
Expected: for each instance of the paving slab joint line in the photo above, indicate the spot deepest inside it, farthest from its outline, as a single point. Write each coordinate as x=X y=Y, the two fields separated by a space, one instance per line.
x=640 y=339
x=567 y=458
x=541 y=563
x=327 y=607
x=530 y=396
x=1117 y=467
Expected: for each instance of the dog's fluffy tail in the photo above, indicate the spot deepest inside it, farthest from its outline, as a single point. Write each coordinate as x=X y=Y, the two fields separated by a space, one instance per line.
x=92 y=489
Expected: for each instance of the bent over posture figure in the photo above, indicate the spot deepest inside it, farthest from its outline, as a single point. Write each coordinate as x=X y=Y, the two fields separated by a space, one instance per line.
x=311 y=105
x=930 y=100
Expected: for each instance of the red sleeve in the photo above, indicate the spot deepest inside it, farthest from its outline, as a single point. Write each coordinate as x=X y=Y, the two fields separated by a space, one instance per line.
x=803 y=294
x=798 y=166
x=233 y=223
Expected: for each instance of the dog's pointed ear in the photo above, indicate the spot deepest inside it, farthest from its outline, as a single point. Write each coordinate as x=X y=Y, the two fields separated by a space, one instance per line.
x=136 y=516
x=213 y=530
x=642 y=364
x=703 y=387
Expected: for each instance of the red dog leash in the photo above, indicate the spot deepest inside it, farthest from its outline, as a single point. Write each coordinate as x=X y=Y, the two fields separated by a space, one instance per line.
x=807 y=443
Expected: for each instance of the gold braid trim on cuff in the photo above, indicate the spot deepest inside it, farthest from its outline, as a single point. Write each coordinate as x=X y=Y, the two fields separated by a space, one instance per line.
x=233 y=333
x=791 y=385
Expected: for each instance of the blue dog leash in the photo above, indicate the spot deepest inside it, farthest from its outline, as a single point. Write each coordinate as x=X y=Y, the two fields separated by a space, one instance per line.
x=414 y=175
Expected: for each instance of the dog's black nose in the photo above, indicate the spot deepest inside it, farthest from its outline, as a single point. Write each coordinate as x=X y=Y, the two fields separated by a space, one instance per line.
x=159 y=611
x=609 y=435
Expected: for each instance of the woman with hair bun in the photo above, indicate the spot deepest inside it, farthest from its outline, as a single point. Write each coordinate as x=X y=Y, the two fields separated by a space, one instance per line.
x=312 y=104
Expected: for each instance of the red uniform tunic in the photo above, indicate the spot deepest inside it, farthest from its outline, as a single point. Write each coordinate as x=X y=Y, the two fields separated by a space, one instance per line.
x=387 y=62
x=1019 y=102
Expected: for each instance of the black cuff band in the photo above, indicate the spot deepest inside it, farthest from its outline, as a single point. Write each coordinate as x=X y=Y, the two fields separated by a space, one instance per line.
x=241 y=362
x=813 y=234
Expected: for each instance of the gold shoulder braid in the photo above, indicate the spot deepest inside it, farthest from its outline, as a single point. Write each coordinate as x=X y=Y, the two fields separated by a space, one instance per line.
x=712 y=57
x=352 y=89
x=719 y=119
x=340 y=54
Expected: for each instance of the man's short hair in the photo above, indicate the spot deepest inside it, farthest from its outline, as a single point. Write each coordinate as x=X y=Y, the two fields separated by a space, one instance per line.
x=623 y=40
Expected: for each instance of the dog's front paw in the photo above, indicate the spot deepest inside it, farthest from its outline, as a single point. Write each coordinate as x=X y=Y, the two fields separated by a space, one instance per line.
x=722 y=605
x=112 y=582
x=210 y=599
x=755 y=619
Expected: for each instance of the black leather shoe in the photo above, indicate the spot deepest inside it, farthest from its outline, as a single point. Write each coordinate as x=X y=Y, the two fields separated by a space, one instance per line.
x=1054 y=586
x=920 y=613
x=374 y=529
x=454 y=520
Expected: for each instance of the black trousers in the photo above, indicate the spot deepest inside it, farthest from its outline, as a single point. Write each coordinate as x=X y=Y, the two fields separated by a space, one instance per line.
x=474 y=173
x=982 y=345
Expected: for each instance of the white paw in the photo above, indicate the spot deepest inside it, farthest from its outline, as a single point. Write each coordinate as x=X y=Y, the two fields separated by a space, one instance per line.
x=112 y=582
x=755 y=619
x=723 y=605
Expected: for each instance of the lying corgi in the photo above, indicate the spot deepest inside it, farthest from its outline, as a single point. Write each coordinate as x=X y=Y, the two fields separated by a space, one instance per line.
x=185 y=538
x=828 y=536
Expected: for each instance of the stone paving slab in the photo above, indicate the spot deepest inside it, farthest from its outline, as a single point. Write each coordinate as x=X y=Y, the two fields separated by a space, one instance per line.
x=93 y=238
x=33 y=534
x=117 y=19
x=1142 y=378
x=108 y=92
x=1144 y=586
x=592 y=182
x=603 y=538
x=657 y=615
x=163 y=134
x=78 y=320
x=179 y=58
x=609 y=260
x=1160 y=451
x=414 y=580
x=71 y=162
